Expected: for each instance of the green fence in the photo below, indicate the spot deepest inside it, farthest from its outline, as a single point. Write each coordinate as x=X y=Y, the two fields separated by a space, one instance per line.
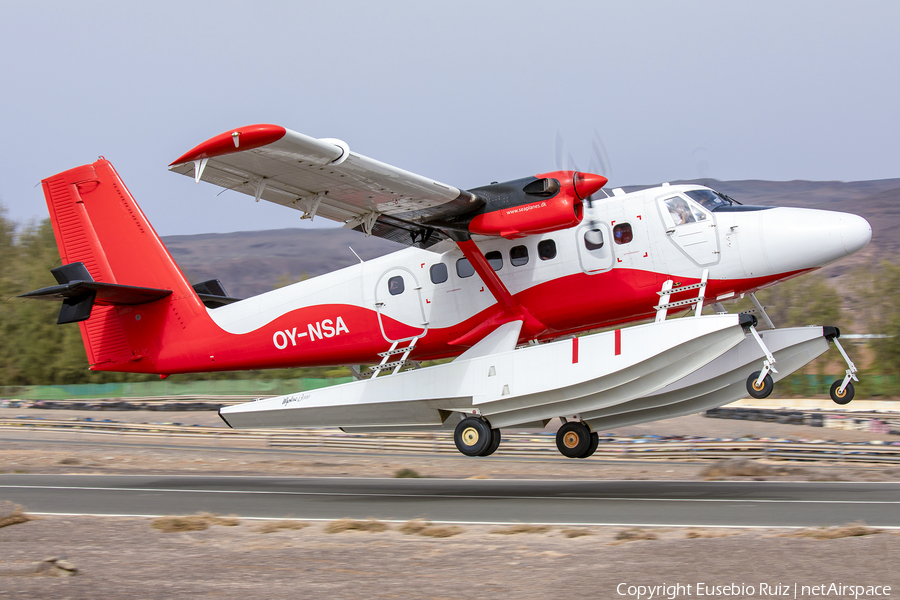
x=869 y=386
x=151 y=389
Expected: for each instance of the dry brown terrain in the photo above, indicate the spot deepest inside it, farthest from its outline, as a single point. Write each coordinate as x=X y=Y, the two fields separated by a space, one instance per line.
x=137 y=558
x=129 y=558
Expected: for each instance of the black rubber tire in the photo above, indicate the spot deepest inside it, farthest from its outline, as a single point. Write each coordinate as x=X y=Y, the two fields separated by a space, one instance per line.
x=763 y=392
x=592 y=446
x=495 y=443
x=849 y=392
x=573 y=439
x=472 y=436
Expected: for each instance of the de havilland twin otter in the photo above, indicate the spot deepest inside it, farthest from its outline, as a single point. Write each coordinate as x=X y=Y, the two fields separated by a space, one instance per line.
x=505 y=279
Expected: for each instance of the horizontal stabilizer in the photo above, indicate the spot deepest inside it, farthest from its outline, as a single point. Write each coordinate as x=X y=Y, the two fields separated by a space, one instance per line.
x=106 y=293
x=212 y=294
x=79 y=292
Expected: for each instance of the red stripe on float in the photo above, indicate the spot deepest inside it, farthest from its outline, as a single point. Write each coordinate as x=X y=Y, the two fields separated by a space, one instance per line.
x=574 y=350
x=618 y=342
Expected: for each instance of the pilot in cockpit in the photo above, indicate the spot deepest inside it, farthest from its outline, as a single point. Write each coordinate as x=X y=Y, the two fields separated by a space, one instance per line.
x=680 y=211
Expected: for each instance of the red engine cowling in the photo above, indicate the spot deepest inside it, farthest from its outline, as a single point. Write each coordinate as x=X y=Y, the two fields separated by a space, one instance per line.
x=554 y=202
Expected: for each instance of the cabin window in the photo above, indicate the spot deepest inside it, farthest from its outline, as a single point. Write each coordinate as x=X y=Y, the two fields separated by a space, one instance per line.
x=547 y=249
x=438 y=273
x=622 y=233
x=396 y=286
x=518 y=255
x=495 y=259
x=593 y=239
x=464 y=268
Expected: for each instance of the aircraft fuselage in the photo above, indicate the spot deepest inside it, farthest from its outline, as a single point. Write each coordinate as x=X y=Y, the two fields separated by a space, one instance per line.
x=607 y=270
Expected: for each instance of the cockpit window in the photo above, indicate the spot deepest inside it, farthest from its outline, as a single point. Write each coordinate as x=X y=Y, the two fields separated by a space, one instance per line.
x=682 y=212
x=709 y=199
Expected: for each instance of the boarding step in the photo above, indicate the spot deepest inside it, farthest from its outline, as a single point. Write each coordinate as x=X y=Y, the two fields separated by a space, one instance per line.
x=668 y=290
x=393 y=352
x=679 y=303
x=388 y=365
x=683 y=288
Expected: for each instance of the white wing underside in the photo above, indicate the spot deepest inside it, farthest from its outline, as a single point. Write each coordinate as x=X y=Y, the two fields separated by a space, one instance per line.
x=324 y=178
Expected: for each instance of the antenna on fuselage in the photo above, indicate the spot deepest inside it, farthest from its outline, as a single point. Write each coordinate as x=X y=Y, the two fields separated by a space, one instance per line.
x=355 y=254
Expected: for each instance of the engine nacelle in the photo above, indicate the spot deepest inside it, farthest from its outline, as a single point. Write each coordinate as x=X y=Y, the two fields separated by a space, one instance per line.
x=550 y=202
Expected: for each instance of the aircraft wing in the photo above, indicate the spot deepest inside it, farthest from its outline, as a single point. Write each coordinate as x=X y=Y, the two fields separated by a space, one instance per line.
x=324 y=178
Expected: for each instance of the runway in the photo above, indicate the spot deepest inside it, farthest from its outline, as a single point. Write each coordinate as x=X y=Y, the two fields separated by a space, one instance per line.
x=644 y=503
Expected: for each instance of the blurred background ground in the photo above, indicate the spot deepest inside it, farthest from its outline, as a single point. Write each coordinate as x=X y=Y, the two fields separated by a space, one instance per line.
x=70 y=452
x=129 y=558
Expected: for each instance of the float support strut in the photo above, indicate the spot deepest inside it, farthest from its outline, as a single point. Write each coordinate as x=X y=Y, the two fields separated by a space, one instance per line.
x=769 y=363
x=850 y=373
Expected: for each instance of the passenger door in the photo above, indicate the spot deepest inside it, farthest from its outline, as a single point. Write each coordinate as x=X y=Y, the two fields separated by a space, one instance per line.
x=594 y=240
x=398 y=301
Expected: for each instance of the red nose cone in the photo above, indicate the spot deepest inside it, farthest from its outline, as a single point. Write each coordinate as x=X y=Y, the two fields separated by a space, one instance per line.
x=588 y=183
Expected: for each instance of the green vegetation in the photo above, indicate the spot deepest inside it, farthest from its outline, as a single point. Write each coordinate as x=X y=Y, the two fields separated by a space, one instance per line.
x=884 y=316
x=407 y=474
x=36 y=351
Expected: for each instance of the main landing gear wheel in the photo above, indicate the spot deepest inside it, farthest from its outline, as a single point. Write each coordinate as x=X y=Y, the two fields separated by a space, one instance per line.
x=840 y=398
x=495 y=443
x=592 y=445
x=760 y=390
x=473 y=436
x=573 y=439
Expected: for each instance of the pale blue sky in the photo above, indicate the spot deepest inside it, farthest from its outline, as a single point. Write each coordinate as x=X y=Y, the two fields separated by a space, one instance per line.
x=463 y=92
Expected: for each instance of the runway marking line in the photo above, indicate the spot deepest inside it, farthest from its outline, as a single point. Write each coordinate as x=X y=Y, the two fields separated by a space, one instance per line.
x=399 y=521
x=473 y=481
x=445 y=496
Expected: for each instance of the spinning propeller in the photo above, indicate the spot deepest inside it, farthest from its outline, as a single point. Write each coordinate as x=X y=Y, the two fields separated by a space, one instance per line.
x=586 y=184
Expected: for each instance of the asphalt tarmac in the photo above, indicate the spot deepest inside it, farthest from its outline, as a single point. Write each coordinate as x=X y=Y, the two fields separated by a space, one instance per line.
x=636 y=503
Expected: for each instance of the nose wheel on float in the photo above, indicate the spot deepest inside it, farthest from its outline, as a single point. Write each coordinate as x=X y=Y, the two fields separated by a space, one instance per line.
x=760 y=384
x=842 y=394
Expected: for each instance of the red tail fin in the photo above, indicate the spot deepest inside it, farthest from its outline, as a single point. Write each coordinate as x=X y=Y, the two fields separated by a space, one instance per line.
x=97 y=222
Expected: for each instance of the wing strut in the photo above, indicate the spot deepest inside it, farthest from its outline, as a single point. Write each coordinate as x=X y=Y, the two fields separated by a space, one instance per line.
x=510 y=309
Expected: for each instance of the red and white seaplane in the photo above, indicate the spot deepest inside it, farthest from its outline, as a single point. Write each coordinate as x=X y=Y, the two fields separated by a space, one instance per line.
x=505 y=278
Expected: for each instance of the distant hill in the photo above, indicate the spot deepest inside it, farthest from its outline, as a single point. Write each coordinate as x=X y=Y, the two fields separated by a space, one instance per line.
x=252 y=262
